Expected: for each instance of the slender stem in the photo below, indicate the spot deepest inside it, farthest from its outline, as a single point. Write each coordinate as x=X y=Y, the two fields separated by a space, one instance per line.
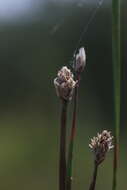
x=116 y=80
x=62 y=159
x=72 y=136
x=71 y=143
x=115 y=164
x=93 y=182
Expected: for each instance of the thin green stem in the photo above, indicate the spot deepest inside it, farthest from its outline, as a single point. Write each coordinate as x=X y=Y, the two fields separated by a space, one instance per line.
x=116 y=80
x=72 y=136
x=62 y=159
x=71 y=143
x=94 y=178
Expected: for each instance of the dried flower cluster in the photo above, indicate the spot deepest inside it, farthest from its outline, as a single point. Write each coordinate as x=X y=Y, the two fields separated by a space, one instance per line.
x=64 y=83
x=100 y=145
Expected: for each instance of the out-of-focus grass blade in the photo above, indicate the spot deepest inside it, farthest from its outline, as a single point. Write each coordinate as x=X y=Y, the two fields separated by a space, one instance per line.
x=116 y=82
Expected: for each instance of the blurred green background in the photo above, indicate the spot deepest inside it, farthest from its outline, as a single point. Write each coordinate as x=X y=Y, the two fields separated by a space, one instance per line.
x=37 y=38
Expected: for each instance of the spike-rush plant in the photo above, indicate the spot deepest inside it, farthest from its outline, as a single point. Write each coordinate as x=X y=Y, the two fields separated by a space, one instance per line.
x=67 y=85
x=79 y=64
x=64 y=84
x=116 y=83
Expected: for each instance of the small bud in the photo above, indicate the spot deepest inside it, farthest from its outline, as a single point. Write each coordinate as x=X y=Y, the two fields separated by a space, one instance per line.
x=100 y=145
x=64 y=84
x=80 y=60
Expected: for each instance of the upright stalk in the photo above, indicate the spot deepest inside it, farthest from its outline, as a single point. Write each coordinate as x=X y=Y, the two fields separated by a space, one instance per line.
x=93 y=182
x=62 y=159
x=116 y=80
x=64 y=84
x=72 y=136
x=71 y=143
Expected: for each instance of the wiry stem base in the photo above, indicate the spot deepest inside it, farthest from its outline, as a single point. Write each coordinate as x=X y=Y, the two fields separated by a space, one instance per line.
x=93 y=182
x=62 y=159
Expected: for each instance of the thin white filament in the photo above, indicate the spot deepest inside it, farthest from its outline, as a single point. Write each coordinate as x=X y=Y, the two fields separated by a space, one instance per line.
x=86 y=27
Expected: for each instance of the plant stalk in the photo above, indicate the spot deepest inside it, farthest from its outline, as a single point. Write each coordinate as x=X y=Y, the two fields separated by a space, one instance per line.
x=62 y=159
x=72 y=136
x=93 y=182
x=116 y=80
x=71 y=143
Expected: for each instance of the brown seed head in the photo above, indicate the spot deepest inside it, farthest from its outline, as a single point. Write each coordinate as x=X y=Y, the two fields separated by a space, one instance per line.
x=64 y=84
x=100 y=145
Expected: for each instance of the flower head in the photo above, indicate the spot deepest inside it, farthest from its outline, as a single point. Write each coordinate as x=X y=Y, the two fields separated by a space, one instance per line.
x=100 y=145
x=80 y=60
x=64 y=84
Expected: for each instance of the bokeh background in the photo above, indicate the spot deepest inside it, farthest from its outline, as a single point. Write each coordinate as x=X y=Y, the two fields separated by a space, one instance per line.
x=37 y=37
